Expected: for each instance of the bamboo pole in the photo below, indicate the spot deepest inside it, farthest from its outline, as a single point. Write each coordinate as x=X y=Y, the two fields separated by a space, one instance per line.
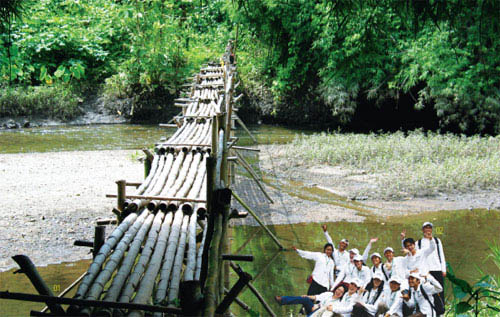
x=199 y=255
x=172 y=177
x=160 y=198
x=179 y=257
x=245 y=128
x=168 y=260
x=146 y=286
x=258 y=220
x=191 y=254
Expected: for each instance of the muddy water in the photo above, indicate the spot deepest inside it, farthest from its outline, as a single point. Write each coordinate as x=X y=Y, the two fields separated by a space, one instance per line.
x=465 y=235
x=58 y=277
x=116 y=136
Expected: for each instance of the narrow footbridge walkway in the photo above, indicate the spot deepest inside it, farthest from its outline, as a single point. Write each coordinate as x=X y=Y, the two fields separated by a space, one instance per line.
x=169 y=253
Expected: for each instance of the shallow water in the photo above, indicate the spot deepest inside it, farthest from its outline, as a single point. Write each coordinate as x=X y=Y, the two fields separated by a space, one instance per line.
x=116 y=137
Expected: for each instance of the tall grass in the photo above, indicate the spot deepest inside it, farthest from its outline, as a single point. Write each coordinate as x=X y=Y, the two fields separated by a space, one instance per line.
x=412 y=164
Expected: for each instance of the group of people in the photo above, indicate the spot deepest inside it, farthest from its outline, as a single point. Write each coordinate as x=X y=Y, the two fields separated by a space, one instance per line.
x=343 y=284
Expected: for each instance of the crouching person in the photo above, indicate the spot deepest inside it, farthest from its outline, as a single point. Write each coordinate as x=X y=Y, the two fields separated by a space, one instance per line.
x=342 y=308
x=312 y=303
x=392 y=302
x=367 y=306
x=422 y=289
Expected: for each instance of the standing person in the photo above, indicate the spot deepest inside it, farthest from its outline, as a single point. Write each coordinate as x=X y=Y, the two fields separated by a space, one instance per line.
x=322 y=275
x=340 y=255
x=350 y=271
x=312 y=303
x=416 y=260
x=436 y=262
x=394 y=266
x=421 y=290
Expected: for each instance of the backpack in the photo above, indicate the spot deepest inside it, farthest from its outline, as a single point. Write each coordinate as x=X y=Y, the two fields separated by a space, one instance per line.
x=437 y=247
x=439 y=307
x=383 y=271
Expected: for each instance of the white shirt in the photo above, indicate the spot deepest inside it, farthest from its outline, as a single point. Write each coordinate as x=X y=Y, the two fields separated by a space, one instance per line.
x=431 y=286
x=343 y=307
x=341 y=257
x=397 y=267
x=351 y=272
x=393 y=301
x=382 y=271
x=433 y=263
x=370 y=300
x=323 y=269
x=419 y=260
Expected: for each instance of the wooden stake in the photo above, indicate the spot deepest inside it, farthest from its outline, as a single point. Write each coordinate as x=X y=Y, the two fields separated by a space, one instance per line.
x=121 y=194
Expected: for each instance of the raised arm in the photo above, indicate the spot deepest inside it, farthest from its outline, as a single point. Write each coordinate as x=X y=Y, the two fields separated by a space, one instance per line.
x=368 y=248
x=327 y=236
x=428 y=251
x=443 y=260
x=431 y=285
x=308 y=255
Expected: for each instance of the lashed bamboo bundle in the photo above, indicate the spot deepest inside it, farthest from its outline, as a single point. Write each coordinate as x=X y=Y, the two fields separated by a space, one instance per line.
x=140 y=267
x=171 y=191
x=101 y=256
x=146 y=286
x=115 y=258
x=171 y=179
x=127 y=264
x=188 y=182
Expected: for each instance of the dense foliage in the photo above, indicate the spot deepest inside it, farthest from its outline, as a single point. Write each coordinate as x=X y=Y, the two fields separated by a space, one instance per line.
x=384 y=64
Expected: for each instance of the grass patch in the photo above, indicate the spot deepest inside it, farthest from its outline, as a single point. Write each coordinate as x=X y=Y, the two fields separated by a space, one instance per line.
x=412 y=164
x=49 y=101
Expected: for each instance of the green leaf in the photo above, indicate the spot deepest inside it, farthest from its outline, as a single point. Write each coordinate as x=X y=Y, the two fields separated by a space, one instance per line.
x=462 y=307
x=460 y=283
x=253 y=313
x=493 y=308
x=60 y=71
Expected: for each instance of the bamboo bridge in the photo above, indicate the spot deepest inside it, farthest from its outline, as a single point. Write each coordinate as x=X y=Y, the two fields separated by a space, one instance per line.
x=169 y=253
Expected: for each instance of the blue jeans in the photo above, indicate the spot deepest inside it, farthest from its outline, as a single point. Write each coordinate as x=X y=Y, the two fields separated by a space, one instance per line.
x=298 y=300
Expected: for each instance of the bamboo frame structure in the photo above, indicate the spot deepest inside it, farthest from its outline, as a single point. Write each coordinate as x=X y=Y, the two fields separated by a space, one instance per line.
x=171 y=242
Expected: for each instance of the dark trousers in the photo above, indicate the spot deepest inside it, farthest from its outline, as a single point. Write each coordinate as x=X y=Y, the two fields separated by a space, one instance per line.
x=359 y=311
x=315 y=288
x=294 y=300
x=438 y=275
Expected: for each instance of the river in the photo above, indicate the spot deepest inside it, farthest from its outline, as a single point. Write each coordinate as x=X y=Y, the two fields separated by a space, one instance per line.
x=466 y=234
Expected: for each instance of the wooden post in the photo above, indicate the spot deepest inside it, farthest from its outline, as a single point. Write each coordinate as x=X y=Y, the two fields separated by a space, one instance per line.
x=28 y=268
x=99 y=239
x=244 y=279
x=121 y=194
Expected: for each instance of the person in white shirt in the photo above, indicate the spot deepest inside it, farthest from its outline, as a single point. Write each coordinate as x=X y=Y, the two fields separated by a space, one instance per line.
x=436 y=262
x=379 y=267
x=415 y=260
x=340 y=255
x=367 y=306
x=346 y=272
x=322 y=275
x=342 y=308
x=357 y=271
x=392 y=302
x=394 y=266
x=312 y=303
x=422 y=289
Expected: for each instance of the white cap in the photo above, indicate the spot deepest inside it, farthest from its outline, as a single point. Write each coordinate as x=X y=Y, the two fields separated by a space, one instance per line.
x=388 y=249
x=376 y=254
x=427 y=223
x=396 y=280
x=378 y=275
x=357 y=257
x=356 y=281
x=415 y=275
x=355 y=251
x=345 y=241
